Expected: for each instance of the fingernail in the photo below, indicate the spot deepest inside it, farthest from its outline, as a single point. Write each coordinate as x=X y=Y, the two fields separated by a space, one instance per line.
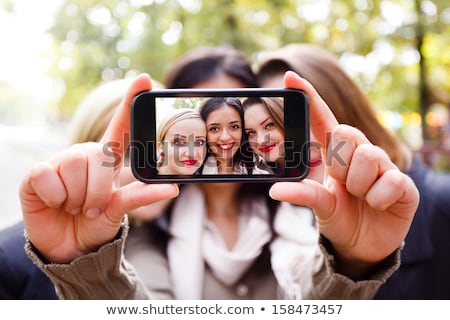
x=92 y=212
x=75 y=211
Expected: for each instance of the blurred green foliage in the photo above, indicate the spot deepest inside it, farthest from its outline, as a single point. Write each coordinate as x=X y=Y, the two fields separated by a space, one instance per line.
x=376 y=40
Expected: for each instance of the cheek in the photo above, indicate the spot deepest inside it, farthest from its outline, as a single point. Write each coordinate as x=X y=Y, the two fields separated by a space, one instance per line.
x=211 y=137
x=237 y=135
x=200 y=153
x=252 y=138
x=173 y=154
x=279 y=136
x=280 y=149
x=253 y=141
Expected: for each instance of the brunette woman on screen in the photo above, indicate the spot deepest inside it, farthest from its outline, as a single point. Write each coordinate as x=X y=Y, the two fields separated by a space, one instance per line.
x=264 y=126
x=227 y=140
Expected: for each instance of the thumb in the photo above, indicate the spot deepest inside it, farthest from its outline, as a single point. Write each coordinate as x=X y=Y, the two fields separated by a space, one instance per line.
x=138 y=194
x=117 y=133
x=308 y=193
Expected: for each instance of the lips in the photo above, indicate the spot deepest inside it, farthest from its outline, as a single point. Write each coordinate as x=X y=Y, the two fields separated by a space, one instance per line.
x=315 y=162
x=225 y=147
x=267 y=149
x=189 y=162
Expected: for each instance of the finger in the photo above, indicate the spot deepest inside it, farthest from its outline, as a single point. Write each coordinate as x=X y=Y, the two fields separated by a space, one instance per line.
x=73 y=173
x=117 y=135
x=343 y=141
x=100 y=178
x=368 y=163
x=138 y=194
x=393 y=188
x=42 y=188
x=322 y=120
x=307 y=193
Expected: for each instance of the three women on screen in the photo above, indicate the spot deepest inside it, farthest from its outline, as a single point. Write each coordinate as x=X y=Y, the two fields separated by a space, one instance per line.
x=214 y=140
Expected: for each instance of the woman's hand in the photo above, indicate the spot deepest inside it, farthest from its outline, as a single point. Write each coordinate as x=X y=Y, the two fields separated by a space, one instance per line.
x=69 y=203
x=365 y=205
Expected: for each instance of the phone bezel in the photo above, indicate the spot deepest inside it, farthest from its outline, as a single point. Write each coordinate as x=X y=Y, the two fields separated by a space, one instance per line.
x=296 y=130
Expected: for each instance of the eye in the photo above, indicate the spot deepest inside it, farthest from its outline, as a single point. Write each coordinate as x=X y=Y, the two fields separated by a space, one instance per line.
x=235 y=127
x=213 y=129
x=199 y=143
x=269 y=126
x=178 y=143
x=251 y=133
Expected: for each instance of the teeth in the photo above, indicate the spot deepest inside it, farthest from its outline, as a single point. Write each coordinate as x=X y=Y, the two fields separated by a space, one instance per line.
x=226 y=146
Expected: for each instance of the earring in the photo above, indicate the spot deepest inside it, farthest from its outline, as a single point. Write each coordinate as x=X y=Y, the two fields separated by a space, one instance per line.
x=162 y=154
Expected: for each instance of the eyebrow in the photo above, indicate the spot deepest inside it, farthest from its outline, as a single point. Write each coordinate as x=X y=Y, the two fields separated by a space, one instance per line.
x=177 y=135
x=262 y=122
x=218 y=124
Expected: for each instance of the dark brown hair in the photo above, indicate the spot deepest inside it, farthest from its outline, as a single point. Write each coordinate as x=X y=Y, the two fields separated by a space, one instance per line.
x=204 y=63
x=343 y=95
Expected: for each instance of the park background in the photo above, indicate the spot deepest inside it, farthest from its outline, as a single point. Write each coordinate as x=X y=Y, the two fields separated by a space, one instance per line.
x=54 y=52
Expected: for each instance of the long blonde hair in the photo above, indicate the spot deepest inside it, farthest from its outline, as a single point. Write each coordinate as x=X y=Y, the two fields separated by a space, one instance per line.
x=95 y=111
x=345 y=98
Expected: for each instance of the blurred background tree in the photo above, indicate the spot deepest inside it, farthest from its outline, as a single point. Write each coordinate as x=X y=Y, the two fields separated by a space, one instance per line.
x=398 y=50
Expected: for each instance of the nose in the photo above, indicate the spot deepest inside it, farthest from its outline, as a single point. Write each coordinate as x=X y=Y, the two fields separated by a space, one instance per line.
x=186 y=151
x=224 y=136
x=263 y=138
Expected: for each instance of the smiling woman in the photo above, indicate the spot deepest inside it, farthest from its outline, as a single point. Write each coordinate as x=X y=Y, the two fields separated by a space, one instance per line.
x=224 y=118
x=181 y=143
x=264 y=125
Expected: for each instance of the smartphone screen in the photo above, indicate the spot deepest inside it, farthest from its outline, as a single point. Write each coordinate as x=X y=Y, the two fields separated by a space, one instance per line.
x=220 y=135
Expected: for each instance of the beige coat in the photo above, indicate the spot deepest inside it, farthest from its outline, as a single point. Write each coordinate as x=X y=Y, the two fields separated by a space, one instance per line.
x=106 y=274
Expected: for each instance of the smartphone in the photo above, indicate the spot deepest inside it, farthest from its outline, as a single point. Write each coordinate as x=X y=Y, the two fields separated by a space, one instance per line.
x=219 y=135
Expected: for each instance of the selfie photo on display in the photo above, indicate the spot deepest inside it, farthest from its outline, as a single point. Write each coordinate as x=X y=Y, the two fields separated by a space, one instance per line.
x=220 y=136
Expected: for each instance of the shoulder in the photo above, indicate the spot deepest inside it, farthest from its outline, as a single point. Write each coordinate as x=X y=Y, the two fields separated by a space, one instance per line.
x=433 y=187
x=12 y=252
x=428 y=235
x=19 y=277
x=12 y=233
x=12 y=242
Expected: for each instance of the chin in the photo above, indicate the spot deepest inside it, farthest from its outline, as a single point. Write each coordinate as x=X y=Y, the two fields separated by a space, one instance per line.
x=188 y=172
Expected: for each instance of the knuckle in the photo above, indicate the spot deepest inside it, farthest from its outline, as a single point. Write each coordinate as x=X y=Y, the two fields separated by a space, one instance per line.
x=369 y=152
